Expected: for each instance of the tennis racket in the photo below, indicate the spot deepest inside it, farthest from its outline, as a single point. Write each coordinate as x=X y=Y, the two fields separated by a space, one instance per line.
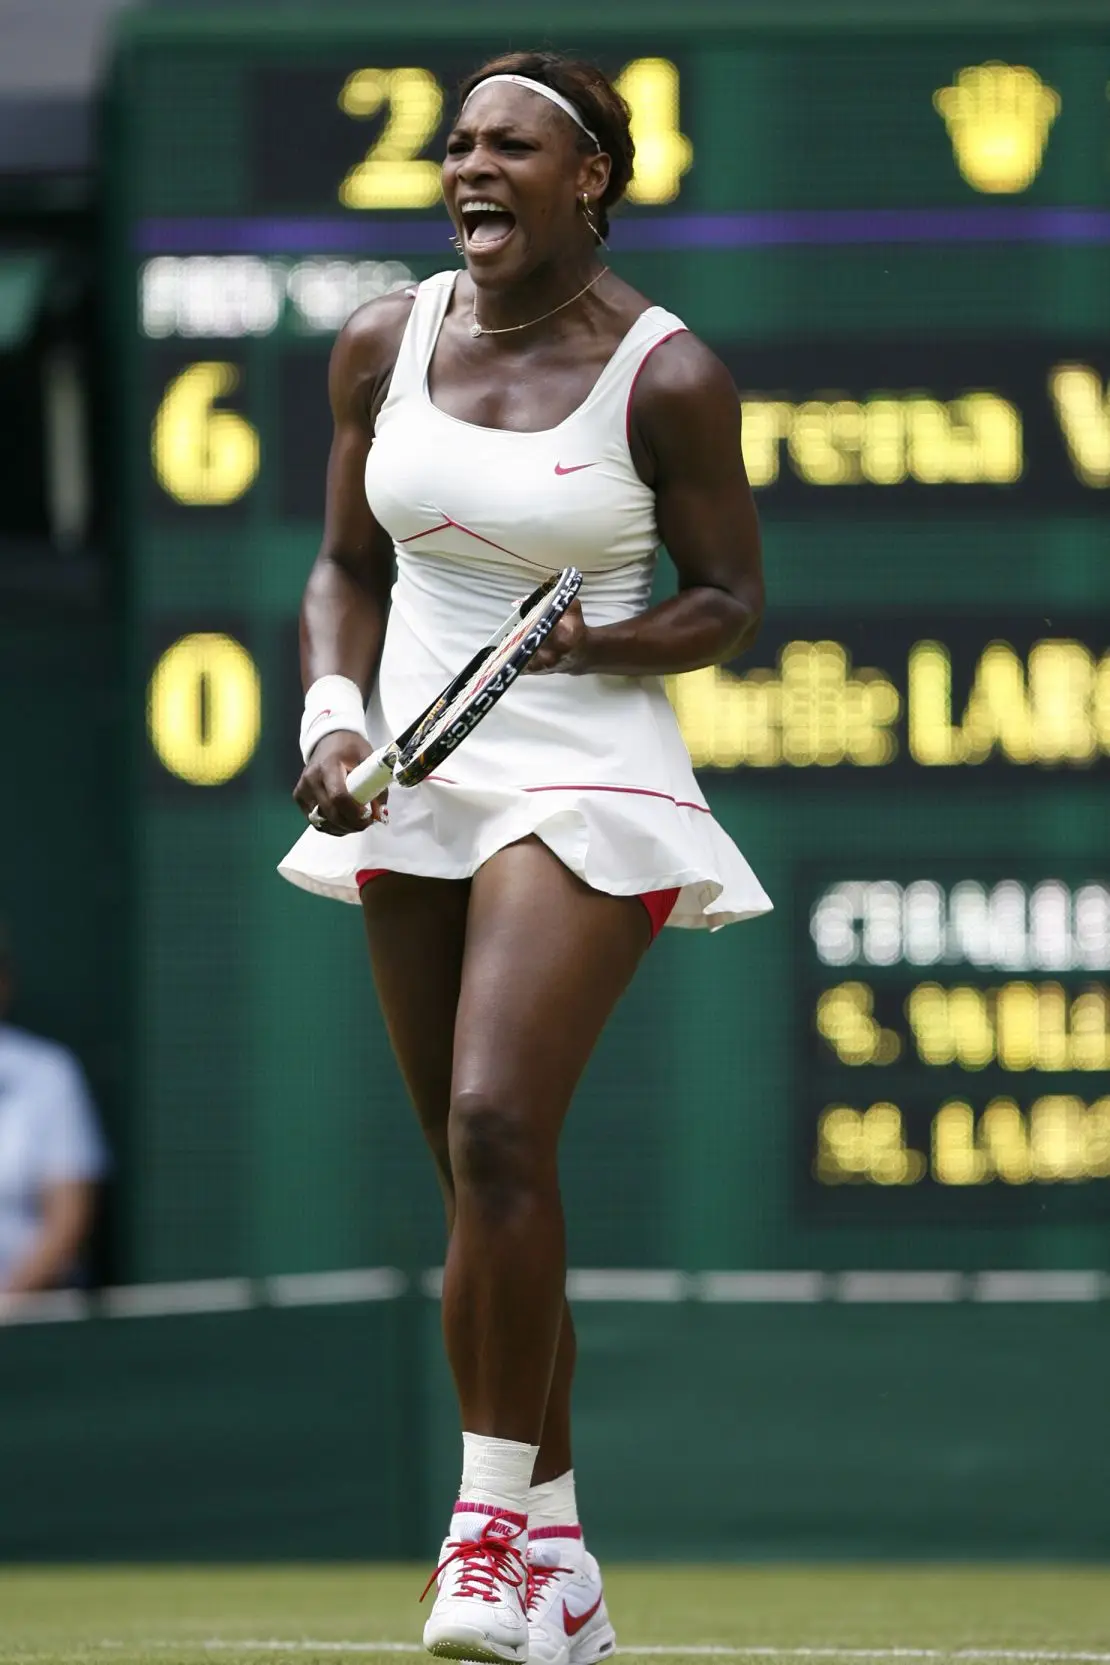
x=458 y=710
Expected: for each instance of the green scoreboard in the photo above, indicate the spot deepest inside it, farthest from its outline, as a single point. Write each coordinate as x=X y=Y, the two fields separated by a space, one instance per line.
x=897 y=236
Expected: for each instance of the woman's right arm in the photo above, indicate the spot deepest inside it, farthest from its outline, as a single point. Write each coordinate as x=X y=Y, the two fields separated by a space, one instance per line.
x=343 y=611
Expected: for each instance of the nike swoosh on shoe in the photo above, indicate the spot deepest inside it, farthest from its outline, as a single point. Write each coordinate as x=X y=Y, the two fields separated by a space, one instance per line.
x=573 y=1622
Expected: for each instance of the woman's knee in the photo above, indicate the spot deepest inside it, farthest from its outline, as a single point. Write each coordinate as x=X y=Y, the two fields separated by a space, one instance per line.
x=497 y=1157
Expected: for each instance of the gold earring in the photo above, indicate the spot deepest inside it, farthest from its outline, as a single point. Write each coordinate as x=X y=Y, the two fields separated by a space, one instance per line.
x=590 y=221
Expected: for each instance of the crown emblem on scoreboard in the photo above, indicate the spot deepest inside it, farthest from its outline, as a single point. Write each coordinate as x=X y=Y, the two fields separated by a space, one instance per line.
x=998 y=117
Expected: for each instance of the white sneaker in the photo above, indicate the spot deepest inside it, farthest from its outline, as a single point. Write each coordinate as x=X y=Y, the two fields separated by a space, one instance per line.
x=568 y=1623
x=479 y=1607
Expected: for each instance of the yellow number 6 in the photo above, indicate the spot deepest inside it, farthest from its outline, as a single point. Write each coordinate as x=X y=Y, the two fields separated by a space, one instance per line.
x=203 y=456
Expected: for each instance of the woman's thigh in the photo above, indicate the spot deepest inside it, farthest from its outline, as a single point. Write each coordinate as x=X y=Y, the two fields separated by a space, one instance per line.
x=546 y=961
x=416 y=932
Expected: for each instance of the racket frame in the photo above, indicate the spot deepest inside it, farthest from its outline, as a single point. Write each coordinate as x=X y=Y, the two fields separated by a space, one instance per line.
x=405 y=760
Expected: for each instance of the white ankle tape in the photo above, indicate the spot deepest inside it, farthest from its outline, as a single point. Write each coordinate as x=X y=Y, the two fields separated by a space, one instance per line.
x=497 y=1472
x=553 y=1503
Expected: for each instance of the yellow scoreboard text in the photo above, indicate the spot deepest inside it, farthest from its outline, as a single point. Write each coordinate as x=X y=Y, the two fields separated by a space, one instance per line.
x=394 y=174
x=204 y=455
x=815 y=708
x=1016 y=1025
x=1059 y=1139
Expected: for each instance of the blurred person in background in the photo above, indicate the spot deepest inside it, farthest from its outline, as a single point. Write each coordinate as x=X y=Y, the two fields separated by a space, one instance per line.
x=52 y=1156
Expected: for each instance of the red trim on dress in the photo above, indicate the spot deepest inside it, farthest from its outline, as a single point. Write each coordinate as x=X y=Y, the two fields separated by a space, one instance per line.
x=459 y=527
x=632 y=386
x=442 y=527
x=637 y=791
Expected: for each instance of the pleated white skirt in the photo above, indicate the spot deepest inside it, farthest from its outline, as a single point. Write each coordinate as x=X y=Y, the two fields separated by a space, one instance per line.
x=594 y=766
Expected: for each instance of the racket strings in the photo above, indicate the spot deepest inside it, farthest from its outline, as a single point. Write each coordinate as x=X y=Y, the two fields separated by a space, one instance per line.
x=445 y=710
x=481 y=683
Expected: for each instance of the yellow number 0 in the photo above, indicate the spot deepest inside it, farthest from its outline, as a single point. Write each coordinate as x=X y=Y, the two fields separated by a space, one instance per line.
x=394 y=175
x=204 y=708
x=203 y=456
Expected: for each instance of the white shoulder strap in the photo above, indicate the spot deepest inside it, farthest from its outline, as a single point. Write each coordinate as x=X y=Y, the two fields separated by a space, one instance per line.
x=650 y=328
x=433 y=296
x=614 y=387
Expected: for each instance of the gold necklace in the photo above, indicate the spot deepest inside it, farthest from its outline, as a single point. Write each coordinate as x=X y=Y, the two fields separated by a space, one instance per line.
x=476 y=329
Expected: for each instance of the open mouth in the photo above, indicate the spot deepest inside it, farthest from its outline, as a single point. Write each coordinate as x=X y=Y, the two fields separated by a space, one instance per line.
x=486 y=226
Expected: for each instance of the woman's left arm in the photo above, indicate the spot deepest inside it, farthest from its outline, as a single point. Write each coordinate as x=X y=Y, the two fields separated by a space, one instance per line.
x=685 y=439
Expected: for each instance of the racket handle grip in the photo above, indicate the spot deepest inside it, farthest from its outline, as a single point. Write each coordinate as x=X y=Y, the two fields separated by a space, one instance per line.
x=372 y=775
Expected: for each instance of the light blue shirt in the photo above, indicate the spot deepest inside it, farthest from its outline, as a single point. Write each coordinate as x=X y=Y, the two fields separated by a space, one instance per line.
x=48 y=1135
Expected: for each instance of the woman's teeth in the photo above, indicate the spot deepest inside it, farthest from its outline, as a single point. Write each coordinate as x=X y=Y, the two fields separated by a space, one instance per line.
x=486 y=222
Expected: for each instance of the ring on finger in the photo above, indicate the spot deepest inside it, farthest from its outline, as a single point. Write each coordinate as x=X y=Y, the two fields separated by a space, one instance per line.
x=316 y=819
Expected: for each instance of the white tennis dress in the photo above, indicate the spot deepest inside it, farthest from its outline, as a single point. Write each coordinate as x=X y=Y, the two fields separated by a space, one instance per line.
x=593 y=765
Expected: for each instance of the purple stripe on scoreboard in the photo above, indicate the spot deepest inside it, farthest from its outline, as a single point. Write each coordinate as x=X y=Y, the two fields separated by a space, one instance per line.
x=817 y=227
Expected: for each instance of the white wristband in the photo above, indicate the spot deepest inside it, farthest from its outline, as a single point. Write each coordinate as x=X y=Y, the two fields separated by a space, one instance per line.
x=331 y=704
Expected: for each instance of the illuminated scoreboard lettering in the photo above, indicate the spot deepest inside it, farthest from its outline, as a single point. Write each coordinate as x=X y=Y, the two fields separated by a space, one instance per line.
x=951 y=425
x=834 y=427
x=959 y=1034
x=1044 y=927
x=984 y=693
x=308 y=124
x=898 y=241
x=204 y=708
x=227 y=297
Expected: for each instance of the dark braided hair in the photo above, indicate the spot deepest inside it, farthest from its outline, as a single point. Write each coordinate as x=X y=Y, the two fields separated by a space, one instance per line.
x=603 y=109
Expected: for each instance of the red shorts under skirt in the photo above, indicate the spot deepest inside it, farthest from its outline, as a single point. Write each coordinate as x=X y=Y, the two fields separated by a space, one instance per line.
x=657 y=902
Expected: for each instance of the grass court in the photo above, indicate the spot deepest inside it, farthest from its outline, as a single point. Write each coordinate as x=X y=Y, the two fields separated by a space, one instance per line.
x=360 y=1615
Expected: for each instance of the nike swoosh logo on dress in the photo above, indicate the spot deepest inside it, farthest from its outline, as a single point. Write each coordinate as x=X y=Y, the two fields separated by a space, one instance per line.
x=572 y=1623
x=574 y=468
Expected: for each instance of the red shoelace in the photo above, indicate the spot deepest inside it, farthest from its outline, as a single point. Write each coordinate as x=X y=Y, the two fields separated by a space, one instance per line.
x=539 y=1577
x=490 y=1562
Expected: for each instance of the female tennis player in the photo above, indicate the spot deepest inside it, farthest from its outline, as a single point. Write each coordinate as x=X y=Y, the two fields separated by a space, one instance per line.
x=495 y=425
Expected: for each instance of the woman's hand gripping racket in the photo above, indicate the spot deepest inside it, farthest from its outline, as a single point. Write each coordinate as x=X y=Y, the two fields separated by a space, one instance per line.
x=455 y=712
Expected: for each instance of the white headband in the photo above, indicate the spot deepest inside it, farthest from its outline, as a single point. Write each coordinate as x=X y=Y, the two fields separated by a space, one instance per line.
x=544 y=91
